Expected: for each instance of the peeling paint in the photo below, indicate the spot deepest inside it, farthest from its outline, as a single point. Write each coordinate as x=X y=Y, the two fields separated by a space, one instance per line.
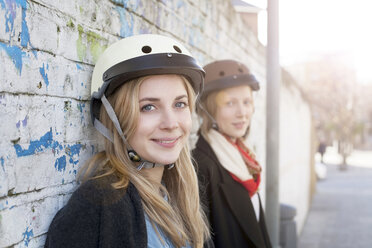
x=27 y=235
x=44 y=142
x=60 y=163
x=44 y=74
x=2 y=163
x=10 y=14
x=24 y=122
x=79 y=67
x=81 y=106
x=47 y=142
x=35 y=146
x=16 y=54
x=73 y=150
x=25 y=35
x=127 y=21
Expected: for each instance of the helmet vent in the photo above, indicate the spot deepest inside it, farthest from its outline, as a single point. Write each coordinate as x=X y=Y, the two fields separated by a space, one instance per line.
x=222 y=73
x=146 y=49
x=177 y=49
x=240 y=70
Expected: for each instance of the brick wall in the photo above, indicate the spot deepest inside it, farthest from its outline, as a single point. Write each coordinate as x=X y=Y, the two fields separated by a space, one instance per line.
x=47 y=52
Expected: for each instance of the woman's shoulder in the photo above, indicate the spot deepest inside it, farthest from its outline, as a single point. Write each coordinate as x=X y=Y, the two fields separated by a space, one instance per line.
x=98 y=191
x=204 y=157
x=78 y=223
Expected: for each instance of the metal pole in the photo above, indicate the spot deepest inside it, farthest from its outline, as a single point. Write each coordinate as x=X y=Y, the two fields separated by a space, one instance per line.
x=272 y=122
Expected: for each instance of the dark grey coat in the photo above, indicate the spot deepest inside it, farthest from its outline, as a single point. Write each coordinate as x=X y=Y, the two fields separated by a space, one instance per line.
x=227 y=204
x=98 y=215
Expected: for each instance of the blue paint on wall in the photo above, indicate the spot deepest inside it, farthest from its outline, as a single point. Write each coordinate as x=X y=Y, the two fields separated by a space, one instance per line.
x=16 y=54
x=11 y=13
x=27 y=235
x=2 y=163
x=25 y=35
x=126 y=20
x=24 y=122
x=72 y=151
x=46 y=141
x=81 y=106
x=44 y=74
x=22 y=3
x=60 y=163
x=79 y=67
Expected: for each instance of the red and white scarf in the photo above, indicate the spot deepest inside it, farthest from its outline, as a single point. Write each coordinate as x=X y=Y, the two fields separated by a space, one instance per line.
x=237 y=159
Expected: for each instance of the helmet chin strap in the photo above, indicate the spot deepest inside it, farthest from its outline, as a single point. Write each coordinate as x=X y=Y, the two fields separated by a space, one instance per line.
x=214 y=122
x=107 y=133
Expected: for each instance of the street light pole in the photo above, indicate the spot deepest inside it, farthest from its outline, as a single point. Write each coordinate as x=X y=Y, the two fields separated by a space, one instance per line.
x=272 y=122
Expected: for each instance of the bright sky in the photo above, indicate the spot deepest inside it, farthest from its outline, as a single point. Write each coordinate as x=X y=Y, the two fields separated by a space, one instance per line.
x=318 y=26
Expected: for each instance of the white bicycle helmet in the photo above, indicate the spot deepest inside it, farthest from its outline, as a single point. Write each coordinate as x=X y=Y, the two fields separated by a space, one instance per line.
x=134 y=57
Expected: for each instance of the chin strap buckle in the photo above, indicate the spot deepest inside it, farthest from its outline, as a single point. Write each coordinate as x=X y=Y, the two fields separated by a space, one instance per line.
x=149 y=165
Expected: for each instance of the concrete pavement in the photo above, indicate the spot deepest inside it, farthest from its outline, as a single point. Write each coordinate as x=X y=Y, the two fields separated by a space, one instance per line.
x=341 y=210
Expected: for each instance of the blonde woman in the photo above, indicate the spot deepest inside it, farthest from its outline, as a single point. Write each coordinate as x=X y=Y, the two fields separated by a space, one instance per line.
x=141 y=191
x=228 y=172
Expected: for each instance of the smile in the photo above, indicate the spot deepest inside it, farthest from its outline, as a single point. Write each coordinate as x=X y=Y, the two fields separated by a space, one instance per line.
x=168 y=142
x=239 y=125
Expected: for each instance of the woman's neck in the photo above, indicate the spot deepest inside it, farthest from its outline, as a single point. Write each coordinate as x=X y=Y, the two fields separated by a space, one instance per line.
x=154 y=174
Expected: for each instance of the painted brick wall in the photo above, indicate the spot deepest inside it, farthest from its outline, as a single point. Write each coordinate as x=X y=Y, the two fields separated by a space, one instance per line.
x=296 y=149
x=47 y=52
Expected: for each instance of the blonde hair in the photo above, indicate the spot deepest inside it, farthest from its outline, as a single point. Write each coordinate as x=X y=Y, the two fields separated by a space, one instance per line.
x=181 y=217
x=206 y=109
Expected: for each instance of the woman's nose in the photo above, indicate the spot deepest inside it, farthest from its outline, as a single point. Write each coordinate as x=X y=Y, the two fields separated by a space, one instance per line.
x=240 y=109
x=169 y=120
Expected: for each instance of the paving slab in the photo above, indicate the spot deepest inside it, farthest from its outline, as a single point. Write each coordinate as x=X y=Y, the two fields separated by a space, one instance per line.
x=341 y=210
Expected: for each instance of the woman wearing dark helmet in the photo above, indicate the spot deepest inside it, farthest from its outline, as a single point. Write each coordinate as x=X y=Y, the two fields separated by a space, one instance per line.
x=136 y=193
x=228 y=172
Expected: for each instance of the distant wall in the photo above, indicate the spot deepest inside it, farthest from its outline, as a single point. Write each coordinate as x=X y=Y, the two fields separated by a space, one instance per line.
x=47 y=52
x=296 y=149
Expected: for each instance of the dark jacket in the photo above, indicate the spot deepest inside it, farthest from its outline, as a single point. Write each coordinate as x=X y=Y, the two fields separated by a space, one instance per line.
x=98 y=215
x=227 y=204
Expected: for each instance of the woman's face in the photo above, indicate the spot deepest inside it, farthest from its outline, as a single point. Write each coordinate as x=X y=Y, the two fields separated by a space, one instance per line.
x=234 y=110
x=165 y=119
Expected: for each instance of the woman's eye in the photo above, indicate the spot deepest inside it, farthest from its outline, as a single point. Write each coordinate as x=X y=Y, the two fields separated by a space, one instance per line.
x=180 y=104
x=147 y=108
x=230 y=103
